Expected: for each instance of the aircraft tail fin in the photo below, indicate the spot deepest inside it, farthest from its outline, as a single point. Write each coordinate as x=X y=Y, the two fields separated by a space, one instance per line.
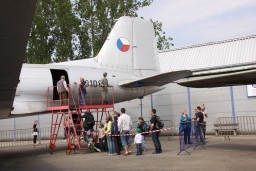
x=130 y=46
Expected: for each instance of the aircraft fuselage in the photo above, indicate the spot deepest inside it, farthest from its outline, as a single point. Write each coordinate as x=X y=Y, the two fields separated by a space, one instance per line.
x=31 y=94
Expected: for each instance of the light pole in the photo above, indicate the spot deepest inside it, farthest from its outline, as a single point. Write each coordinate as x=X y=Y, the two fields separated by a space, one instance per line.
x=140 y=105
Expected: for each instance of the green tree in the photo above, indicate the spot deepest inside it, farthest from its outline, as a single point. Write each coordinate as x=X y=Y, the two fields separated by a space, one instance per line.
x=83 y=9
x=66 y=26
x=99 y=17
x=41 y=44
x=163 y=42
x=76 y=29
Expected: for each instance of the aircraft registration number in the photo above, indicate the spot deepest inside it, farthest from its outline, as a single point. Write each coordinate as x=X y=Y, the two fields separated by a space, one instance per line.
x=93 y=83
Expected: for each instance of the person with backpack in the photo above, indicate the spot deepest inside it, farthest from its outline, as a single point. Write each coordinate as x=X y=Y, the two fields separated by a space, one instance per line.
x=88 y=125
x=144 y=127
x=155 y=126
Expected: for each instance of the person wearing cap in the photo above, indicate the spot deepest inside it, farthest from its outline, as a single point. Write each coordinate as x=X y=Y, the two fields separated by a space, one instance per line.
x=138 y=141
x=62 y=89
x=104 y=84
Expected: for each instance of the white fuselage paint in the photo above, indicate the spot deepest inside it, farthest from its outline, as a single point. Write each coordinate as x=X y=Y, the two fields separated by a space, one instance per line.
x=31 y=94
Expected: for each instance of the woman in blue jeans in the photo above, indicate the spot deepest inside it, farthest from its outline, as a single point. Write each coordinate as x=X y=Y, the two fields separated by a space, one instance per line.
x=185 y=125
x=111 y=148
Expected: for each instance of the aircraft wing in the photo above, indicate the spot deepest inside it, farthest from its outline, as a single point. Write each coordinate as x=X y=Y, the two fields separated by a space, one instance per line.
x=16 y=19
x=228 y=77
x=156 y=80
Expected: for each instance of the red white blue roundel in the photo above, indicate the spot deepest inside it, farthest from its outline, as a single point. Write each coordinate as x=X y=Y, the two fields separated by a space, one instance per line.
x=123 y=44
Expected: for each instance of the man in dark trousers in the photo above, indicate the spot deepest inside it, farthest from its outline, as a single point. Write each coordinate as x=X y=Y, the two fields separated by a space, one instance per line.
x=199 y=125
x=115 y=131
x=88 y=126
x=155 y=135
x=62 y=90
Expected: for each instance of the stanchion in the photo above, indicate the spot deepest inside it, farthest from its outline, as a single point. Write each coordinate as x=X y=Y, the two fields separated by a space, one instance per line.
x=189 y=133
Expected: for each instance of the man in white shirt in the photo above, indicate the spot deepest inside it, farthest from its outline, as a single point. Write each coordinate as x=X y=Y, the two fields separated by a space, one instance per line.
x=124 y=126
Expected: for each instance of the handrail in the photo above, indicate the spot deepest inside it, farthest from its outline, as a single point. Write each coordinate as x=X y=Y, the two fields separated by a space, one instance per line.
x=91 y=99
x=61 y=103
x=51 y=88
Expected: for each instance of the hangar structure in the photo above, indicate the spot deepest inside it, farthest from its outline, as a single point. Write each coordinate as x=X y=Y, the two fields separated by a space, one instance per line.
x=214 y=57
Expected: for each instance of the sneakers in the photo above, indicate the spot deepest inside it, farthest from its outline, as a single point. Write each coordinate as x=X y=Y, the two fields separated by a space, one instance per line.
x=138 y=154
x=112 y=154
x=89 y=145
x=125 y=154
x=97 y=149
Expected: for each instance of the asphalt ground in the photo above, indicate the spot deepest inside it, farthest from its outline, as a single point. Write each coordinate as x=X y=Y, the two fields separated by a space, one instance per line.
x=238 y=154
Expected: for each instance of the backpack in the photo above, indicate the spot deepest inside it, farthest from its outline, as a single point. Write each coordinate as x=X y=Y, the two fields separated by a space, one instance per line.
x=146 y=127
x=114 y=128
x=159 y=123
x=89 y=120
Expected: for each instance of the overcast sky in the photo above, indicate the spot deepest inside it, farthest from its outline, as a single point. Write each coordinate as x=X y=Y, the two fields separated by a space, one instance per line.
x=191 y=22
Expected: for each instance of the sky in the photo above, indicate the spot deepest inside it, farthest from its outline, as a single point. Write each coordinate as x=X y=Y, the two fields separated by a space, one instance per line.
x=191 y=22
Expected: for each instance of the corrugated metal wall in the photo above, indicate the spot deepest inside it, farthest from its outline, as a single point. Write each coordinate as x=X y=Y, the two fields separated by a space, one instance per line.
x=235 y=51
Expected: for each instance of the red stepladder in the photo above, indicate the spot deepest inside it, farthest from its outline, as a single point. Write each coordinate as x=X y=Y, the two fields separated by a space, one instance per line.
x=94 y=103
x=64 y=113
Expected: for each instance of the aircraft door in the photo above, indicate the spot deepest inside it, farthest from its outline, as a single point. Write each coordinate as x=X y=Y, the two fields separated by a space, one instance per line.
x=56 y=74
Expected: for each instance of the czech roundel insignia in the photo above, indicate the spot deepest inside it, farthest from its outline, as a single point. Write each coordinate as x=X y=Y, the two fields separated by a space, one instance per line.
x=123 y=44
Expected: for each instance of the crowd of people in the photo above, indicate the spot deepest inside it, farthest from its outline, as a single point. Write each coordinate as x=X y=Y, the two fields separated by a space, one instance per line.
x=115 y=135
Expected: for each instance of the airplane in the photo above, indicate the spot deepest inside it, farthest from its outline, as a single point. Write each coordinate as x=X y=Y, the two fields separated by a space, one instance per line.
x=129 y=56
